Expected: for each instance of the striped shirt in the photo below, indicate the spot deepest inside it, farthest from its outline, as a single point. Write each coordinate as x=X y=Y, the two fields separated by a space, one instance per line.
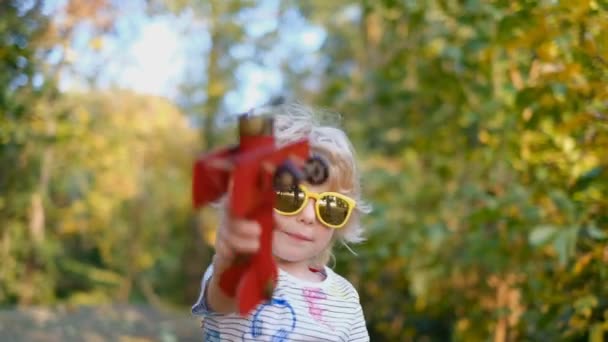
x=298 y=311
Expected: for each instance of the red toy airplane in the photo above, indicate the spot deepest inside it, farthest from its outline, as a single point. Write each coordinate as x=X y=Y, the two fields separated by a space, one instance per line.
x=254 y=166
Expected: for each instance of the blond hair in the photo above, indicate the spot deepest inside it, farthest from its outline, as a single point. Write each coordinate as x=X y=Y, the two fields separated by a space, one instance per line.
x=295 y=121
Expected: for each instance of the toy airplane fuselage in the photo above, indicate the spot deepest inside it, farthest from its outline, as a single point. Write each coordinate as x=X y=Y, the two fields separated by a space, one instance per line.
x=251 y=167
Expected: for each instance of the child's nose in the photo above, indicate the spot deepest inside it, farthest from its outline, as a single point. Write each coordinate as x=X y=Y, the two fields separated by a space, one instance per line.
x=307 y=215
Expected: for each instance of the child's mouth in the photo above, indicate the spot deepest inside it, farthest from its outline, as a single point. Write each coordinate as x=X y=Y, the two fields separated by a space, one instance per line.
x=297 y=236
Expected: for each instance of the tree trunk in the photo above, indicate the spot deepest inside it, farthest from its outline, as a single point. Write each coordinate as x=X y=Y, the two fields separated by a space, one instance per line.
x=37 y=214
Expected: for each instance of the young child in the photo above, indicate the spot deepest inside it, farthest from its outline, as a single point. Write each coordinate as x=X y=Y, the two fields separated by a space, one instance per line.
x=311 y=302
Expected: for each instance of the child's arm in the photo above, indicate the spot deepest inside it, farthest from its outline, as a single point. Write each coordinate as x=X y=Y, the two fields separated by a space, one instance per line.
x=235 y=237
x=358 y=330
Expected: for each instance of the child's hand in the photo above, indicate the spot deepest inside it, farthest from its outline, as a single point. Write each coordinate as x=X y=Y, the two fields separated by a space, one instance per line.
x=236 y=237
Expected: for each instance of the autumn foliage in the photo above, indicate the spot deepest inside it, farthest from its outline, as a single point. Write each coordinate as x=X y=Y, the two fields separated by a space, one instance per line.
x=481 y=127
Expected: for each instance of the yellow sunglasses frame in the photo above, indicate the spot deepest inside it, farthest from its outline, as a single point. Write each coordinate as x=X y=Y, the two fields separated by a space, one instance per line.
x=316 y=196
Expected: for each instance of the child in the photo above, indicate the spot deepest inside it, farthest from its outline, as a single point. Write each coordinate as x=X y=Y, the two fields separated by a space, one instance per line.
x=310 y=302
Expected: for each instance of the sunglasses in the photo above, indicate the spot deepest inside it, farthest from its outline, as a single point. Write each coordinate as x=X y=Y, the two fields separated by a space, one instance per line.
x=333 y=209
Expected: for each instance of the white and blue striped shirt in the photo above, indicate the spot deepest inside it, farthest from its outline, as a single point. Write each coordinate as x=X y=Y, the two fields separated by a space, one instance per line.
x=298 y=311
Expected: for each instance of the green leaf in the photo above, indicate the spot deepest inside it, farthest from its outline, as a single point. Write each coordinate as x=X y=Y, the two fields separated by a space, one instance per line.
x=542 y=235
x=596 y=233
x=586 y=302
x=564 y=203
x=588 y=178
x=565 y=244
x=596 y=333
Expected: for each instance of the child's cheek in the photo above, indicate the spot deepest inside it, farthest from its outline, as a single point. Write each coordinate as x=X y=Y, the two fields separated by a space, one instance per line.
x=328 y=233
x=281 y=220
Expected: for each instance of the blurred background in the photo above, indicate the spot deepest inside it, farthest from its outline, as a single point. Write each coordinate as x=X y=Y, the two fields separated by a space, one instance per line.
x=481 y=128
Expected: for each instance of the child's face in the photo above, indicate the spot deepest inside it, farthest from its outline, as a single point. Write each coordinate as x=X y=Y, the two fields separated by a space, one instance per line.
x=301 y=237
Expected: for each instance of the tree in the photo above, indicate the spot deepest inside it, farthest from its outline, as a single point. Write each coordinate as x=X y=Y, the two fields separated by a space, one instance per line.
x=119 y=207
x=484 y=139
x=23 y=176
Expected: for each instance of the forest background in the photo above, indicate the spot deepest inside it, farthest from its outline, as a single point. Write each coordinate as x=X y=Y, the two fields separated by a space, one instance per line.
x=481 y=129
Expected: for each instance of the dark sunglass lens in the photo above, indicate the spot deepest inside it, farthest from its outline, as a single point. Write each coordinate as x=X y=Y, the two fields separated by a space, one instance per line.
x=333 y=210
x=290 y=200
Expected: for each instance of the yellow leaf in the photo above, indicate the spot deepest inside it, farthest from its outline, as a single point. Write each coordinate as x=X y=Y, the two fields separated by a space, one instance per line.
x=144 y=260
x=484 y=137
x=582 y=263
x=547 y=51
x=96 y=43
x=463 y=324
x=596 y=333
